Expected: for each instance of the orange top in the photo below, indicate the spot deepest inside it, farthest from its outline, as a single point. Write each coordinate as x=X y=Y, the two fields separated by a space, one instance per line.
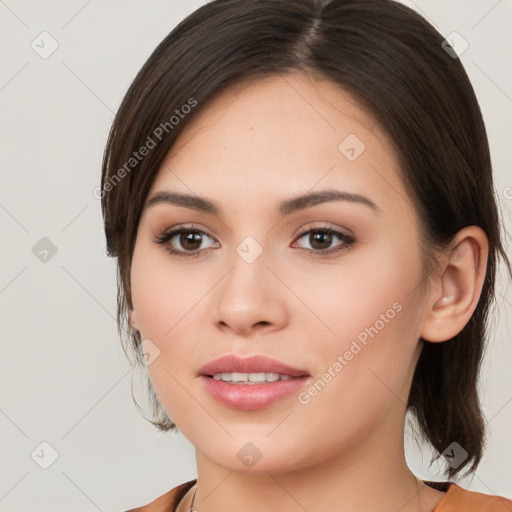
x=456 y=499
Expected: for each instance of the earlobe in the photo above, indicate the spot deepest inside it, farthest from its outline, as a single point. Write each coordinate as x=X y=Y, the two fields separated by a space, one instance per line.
x=131 y=319
x=458 y=287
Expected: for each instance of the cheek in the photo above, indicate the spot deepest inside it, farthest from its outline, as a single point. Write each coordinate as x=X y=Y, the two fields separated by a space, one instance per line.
x=363 y=373
x=366 y=287
x=162 y=295
x=365 y=311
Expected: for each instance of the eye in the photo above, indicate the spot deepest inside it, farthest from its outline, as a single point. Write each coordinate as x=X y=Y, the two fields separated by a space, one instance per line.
x=189 y=239
x=321 y=239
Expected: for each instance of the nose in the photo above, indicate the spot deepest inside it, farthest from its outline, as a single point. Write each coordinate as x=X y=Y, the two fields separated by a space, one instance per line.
x=250 y=298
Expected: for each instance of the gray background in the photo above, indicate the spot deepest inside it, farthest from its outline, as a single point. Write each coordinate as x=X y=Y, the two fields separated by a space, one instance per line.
x=64 y=377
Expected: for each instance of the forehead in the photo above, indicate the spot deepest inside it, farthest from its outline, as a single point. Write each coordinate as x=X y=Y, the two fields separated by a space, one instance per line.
x=281 y=134
x=275 y=103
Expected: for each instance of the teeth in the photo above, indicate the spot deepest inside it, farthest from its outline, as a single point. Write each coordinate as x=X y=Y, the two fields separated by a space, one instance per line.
x=250 y=378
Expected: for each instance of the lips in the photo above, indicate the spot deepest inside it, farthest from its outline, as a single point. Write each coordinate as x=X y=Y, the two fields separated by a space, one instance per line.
x=253 y=364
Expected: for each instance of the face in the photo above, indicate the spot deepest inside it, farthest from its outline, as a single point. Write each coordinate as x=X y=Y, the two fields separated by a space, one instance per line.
x=329 y=286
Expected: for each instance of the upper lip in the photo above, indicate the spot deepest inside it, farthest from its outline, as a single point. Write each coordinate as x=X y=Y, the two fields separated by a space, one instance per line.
x=253 y=364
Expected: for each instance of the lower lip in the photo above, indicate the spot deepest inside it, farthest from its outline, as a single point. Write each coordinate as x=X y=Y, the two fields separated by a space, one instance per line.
x=250 y=397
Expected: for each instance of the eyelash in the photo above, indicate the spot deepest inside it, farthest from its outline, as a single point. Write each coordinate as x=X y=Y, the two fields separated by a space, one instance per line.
x=167 y=236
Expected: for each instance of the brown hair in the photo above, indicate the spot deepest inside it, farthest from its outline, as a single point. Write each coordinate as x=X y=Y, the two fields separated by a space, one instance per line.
x=393 y=62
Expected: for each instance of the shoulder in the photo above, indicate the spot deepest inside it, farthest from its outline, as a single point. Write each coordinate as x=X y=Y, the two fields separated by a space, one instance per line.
x=168 y=501
x=458 y=499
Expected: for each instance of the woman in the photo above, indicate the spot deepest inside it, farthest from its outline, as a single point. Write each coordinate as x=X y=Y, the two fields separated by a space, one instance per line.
x=299 y=196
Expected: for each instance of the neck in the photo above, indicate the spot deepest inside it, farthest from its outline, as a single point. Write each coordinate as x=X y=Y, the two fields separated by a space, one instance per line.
x=372 y=474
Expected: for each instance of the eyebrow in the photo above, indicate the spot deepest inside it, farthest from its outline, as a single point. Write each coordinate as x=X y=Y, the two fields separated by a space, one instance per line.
x=286 y=207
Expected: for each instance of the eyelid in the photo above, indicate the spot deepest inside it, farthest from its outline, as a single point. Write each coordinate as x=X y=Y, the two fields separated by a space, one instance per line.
x=185 y=227
x=322 y=226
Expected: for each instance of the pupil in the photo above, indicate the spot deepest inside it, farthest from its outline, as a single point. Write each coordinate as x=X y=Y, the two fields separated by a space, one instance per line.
x=190 y=238
x=319 y=237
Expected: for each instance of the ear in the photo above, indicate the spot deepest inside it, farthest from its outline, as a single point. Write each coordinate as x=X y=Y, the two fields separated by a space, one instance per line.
x=456 y=289
x=131 y=319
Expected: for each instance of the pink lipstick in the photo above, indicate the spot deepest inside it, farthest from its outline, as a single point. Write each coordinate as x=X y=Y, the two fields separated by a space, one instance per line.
x=251 y=383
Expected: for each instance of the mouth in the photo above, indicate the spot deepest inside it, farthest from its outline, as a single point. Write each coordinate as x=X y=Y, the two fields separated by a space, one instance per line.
x=252 y=397
x=251 y=378
x=251 y=383
x=250 y=370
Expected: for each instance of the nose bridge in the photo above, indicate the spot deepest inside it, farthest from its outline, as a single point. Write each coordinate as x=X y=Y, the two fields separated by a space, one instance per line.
x=247 y=295
x=247 y=275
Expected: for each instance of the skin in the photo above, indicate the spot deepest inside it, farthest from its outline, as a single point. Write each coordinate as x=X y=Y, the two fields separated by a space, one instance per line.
x=254 y=145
